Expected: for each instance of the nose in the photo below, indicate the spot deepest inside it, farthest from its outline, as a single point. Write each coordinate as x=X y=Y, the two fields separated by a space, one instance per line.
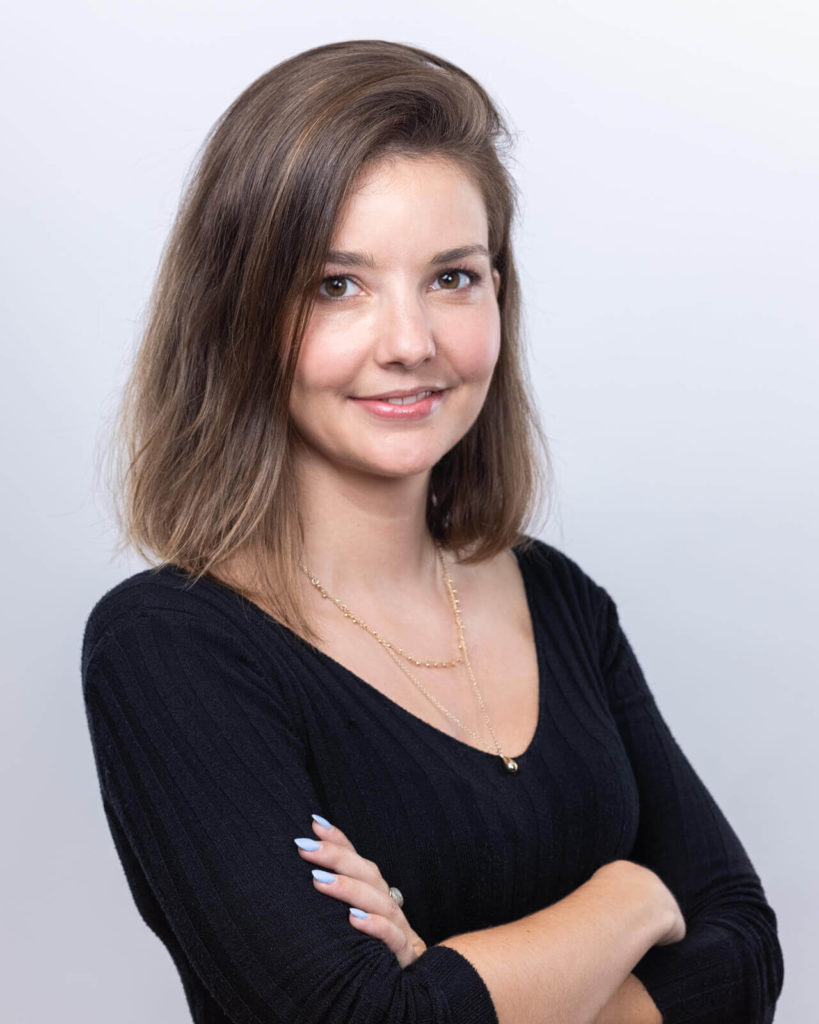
x=404 y=332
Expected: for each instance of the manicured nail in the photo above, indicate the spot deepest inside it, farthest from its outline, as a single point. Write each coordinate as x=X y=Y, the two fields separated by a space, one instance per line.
x=358 y=913
x=323 y=876
x=307 y=844
x=322 y=821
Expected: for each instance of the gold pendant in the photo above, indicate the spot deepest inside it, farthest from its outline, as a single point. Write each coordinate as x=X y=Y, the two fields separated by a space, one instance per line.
x=509 y=764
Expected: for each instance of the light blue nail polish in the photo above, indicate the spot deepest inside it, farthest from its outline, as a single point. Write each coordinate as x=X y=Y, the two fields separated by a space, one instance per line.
x=358 y=913
x=306 y=844
x=322 y=821
x=323 y=876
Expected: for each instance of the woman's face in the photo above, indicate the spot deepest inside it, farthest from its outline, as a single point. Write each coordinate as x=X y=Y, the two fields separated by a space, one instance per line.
x=400 y=312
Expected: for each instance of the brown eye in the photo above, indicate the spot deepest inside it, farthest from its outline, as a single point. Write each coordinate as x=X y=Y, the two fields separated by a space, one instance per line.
x=449 y=279
x=336 y=286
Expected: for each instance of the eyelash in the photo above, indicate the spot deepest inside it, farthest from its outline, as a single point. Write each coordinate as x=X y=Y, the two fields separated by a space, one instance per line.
x=473 y=276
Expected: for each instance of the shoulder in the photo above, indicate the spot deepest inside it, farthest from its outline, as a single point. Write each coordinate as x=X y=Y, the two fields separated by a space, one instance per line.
x=171 y=665
x=574 y=603
x=167 y=603
x=558 y=574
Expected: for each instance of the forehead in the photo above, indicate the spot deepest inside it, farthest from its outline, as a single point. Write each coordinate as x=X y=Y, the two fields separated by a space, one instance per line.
x=415 y=194
x=411 y=170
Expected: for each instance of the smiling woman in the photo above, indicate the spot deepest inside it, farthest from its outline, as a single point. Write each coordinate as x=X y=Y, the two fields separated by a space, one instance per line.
x=330 y=402
x=296 y=186
x=428 y=337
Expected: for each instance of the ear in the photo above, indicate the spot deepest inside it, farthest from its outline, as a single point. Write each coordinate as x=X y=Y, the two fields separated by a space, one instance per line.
x=497 y=280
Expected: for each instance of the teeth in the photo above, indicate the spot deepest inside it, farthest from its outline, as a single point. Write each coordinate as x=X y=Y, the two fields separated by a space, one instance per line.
x=408 y=399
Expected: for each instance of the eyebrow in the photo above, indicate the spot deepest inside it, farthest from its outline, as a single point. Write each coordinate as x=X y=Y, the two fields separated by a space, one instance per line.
x=365 y=259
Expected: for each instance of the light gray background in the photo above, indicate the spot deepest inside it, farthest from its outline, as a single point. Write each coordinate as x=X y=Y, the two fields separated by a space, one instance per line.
x=668 y=161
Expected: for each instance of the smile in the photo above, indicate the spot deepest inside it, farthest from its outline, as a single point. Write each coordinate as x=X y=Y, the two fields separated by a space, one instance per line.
x=408 y=399
x=403 y=407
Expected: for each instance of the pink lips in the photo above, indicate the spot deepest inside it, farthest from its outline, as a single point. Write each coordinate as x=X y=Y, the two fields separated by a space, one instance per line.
x=414 y=411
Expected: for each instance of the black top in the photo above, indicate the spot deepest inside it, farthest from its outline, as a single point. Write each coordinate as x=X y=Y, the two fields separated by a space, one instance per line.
x=217 y=732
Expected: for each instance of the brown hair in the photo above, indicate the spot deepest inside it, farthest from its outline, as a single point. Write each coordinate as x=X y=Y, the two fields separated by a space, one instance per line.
x=203 y=443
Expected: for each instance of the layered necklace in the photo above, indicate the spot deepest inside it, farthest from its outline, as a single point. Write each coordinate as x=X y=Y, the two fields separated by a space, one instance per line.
x=399 y=655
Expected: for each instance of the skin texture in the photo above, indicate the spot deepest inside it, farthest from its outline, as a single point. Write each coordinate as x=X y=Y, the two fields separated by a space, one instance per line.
x=403 y=324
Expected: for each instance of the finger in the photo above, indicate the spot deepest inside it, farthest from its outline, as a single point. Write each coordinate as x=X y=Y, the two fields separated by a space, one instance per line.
x=341 y=860
x=406 y=945
x=357 y=893
x=325 y=830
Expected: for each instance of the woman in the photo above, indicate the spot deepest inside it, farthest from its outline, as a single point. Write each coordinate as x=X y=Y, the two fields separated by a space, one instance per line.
x=328 y=445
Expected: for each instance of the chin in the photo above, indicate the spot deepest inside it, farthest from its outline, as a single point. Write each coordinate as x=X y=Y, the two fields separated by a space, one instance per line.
x=398 y=467
x=397 y=471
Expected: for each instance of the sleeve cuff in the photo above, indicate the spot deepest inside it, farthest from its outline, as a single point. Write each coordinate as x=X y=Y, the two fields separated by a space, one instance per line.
x=449 y=971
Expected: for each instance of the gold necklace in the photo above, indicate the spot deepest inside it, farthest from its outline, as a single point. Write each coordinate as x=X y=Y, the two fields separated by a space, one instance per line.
x=386 y=644
x=509 y=764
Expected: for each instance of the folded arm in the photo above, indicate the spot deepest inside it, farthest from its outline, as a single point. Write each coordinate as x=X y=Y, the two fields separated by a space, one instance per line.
x=204 y=784
x=728 y=969
x=571 y=959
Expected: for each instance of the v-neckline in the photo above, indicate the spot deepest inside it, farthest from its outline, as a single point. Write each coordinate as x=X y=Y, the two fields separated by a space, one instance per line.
x=337 y=666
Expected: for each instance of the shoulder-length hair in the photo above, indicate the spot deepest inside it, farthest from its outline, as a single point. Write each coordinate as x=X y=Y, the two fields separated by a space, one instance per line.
x=203 y=443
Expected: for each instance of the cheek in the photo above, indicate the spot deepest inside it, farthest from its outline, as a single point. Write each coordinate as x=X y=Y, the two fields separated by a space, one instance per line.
x=324 y=363
x=315 y=374
x=477 y=346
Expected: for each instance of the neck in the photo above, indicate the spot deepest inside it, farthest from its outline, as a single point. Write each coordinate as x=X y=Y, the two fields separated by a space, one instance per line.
x=367 y=534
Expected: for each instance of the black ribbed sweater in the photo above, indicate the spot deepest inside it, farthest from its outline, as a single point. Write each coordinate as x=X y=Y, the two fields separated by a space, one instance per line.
x=217 y=732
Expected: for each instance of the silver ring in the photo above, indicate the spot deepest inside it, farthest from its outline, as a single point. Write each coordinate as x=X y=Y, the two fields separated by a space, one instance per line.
x=396 y=895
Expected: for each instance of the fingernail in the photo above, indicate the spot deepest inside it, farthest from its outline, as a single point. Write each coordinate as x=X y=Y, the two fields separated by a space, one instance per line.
x=323 y=876
x=307 y=844
x=322 y=821
x=358 y=913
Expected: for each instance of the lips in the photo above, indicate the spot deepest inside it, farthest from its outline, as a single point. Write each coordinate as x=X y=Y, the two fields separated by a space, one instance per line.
x=398 y=407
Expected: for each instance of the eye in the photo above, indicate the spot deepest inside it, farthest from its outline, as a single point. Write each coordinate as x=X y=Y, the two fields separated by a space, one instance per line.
x=454 y=279
x=336 y=286
x=450 y=279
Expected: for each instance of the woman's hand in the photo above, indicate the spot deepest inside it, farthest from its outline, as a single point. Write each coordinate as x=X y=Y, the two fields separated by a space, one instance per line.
x=359 y=883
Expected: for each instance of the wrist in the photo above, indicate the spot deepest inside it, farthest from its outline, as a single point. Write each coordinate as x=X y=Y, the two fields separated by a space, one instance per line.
x=643 y=892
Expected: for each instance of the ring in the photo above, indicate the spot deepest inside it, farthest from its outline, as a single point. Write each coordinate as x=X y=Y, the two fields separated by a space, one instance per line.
x=396 y=895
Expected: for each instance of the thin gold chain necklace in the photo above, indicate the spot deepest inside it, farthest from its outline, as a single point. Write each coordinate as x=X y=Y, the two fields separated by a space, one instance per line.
x=386 y=644
x=509 y=764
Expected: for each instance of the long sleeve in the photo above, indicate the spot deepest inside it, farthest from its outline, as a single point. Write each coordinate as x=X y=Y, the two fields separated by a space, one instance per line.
x=205 y=783
x=728 y=969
